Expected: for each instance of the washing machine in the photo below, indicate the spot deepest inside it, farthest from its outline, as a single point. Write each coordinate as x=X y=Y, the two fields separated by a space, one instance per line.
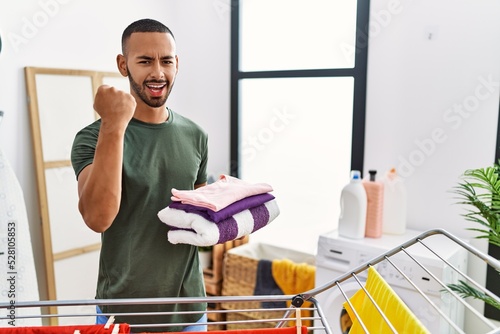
x=337 y=255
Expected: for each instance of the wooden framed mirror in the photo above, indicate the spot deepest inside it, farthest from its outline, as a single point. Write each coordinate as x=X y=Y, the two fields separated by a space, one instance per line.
x=60 y=104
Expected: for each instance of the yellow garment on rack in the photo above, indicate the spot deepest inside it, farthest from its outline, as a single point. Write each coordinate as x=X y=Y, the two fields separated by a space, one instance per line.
x=400 y=316
x=293 y=278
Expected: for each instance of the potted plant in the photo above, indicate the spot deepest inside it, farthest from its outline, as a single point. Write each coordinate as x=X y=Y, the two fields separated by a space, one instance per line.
x=480 y=192
x=205 y=256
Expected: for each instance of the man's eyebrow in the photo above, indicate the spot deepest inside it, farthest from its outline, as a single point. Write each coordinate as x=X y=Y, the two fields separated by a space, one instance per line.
x=144 y=57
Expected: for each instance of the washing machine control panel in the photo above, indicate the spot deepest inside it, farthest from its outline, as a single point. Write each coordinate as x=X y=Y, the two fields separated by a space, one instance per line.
x=393 y=270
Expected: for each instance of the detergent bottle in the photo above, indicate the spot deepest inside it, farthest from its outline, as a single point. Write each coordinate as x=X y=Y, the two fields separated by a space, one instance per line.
x=394 y=203
x=375 y=207
x=352 y=220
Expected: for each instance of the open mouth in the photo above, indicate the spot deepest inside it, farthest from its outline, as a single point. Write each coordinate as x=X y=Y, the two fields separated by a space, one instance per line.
x=156 y=89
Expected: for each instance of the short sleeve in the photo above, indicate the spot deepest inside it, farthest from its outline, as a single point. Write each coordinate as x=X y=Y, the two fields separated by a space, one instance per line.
x=83 y=150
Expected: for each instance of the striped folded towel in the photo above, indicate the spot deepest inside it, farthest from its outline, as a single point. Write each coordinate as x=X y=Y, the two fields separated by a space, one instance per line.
x=193 y=229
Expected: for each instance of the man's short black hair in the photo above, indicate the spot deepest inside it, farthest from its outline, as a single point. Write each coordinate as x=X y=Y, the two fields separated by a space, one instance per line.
x=144 y=25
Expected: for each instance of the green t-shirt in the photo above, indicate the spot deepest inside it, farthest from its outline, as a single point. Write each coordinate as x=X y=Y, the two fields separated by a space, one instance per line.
x=137 y=260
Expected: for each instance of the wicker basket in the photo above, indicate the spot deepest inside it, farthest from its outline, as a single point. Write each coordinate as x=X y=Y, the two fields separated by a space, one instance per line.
x=239 y=280
x=239 y=273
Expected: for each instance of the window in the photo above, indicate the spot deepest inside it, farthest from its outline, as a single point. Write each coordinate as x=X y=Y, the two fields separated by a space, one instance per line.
x=298 y=102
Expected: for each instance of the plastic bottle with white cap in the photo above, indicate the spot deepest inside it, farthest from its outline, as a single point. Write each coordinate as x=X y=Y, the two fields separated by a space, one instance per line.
x=353 y=201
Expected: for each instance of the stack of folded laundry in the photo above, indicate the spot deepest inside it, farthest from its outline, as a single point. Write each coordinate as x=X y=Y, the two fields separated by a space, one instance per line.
x=225 y=210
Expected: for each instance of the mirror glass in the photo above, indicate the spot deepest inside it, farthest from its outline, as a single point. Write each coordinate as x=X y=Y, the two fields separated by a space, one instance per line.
x=60 y=99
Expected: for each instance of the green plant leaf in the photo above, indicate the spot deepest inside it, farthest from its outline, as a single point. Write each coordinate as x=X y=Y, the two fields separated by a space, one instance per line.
x=464 y=290
x=479 y=191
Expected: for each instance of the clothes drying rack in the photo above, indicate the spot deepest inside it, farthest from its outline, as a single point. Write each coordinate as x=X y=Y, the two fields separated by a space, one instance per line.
x=302 y=314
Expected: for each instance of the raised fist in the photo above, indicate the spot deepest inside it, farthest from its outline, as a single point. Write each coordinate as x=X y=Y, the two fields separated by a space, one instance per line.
x=114 y=106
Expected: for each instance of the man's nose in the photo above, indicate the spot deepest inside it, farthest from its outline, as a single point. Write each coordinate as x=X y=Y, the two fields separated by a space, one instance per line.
x=157 y=71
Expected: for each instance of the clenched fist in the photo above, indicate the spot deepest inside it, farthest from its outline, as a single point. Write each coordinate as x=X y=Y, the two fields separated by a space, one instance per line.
x=115 y=107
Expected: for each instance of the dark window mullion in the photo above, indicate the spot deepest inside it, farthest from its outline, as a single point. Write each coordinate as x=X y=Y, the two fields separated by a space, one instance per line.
x=333 y=72
x=234 y=169
x=359 y=103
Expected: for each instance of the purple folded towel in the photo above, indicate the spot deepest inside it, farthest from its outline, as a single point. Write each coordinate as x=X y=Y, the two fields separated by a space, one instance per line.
x=230 y=210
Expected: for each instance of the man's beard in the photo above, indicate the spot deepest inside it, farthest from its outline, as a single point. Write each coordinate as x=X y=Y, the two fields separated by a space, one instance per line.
x=154 y=102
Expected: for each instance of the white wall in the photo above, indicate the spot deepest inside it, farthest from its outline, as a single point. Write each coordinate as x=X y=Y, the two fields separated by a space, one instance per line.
x=86 y=35
x=433 y=104
x=413 y=83
x=428 y=60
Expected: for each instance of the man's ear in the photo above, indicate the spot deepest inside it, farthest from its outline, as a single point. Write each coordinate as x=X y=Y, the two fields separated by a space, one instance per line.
x=121 y=62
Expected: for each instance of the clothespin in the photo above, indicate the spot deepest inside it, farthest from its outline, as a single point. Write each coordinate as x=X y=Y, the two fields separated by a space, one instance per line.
x=77 y=331
x=116 y=329
x=109 y=322
x=298 y=323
